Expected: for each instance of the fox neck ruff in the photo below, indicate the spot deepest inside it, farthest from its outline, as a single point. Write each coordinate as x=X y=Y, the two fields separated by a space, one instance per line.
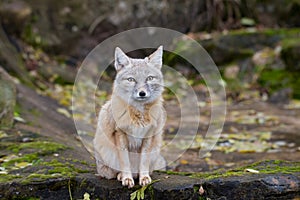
x=139 y=115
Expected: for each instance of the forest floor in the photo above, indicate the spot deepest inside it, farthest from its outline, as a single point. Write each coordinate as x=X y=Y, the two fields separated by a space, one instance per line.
x=253 y=131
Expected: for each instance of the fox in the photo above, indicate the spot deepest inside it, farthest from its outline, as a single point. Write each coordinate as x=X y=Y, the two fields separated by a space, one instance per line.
x=130 y=125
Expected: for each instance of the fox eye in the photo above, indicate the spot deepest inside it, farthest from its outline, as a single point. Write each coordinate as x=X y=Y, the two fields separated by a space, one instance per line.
x=150 y=78
x=130 y=79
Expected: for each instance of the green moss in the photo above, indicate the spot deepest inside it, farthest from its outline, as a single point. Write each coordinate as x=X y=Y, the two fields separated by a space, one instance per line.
x=34 y=177
x=196 y=188
x=289 y=42
x=277 y=162
x=275 y=166
x=43 y=147
x=177 y=173
x=290 y=53
x=31 y=37
x=42 y=170
x=234 y=85
x=4 y=178
x=53 y=163
x=82 y=170
x=264 y=167
x=17 y=110
x=215 y=174
x=25 y=158
x=79 y=161
x=64 y=171
x=275 y=79
x=42 y=176
x=53 y=169
x=63 y=168
x=282 y=32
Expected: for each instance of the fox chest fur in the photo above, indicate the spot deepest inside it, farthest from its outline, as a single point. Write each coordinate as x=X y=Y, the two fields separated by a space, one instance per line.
x=136 y=124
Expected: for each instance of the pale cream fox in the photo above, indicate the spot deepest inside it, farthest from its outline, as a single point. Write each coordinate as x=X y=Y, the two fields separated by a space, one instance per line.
x=130 y=125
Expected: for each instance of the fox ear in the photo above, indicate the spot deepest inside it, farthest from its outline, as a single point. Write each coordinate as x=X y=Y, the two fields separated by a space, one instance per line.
x=155 y=59
x=121 y=60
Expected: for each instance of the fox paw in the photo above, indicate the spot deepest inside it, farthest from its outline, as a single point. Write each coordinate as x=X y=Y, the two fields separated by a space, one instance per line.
x=119 y=176
x=126 y=180
x=145 y=180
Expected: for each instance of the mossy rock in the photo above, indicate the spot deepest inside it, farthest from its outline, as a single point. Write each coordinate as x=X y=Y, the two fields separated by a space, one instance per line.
x=278 y=79
x=7 y=99
x=236 y=45
x=290 y=53
x=276 y=180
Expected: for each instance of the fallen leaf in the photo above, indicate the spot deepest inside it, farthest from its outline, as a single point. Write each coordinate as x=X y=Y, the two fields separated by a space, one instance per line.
x=22 y=164
x=19 y=119
x=184 y=162
x=212 y=162
x=231 y=164
x=280 y=143
x=2 y=134
x=294 y=104
x=201 y=190
x=64 y=112
x=9 y=157
x=86 y=196
x=252 y=171
x=233 y=129
x=245 y=21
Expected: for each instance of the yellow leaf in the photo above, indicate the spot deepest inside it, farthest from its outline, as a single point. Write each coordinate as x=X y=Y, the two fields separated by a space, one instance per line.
x=64 y=112
x=184 y=162
x=86 y=196
x=22 y=164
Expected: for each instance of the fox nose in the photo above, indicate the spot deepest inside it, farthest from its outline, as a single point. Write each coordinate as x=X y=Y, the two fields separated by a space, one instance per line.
x=142 y=93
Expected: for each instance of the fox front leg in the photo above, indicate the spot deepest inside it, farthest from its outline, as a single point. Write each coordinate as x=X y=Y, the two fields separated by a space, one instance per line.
x=125 y=176
x=146 y=154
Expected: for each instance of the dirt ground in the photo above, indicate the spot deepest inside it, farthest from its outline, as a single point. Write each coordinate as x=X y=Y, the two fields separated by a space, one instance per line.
x=254 y=130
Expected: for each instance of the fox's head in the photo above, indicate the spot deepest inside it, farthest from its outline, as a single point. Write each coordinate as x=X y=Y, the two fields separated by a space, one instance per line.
x=138 y=80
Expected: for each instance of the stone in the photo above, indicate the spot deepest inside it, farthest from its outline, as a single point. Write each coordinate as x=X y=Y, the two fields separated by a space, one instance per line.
x=7 y=99
x=231 y=72
x=278 y=186
x=282 y=96
x=11 y=60
x=237 y=45
x=14 y=15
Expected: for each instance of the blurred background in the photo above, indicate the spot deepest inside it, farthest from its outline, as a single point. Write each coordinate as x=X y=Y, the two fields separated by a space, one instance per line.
x=255 y=44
